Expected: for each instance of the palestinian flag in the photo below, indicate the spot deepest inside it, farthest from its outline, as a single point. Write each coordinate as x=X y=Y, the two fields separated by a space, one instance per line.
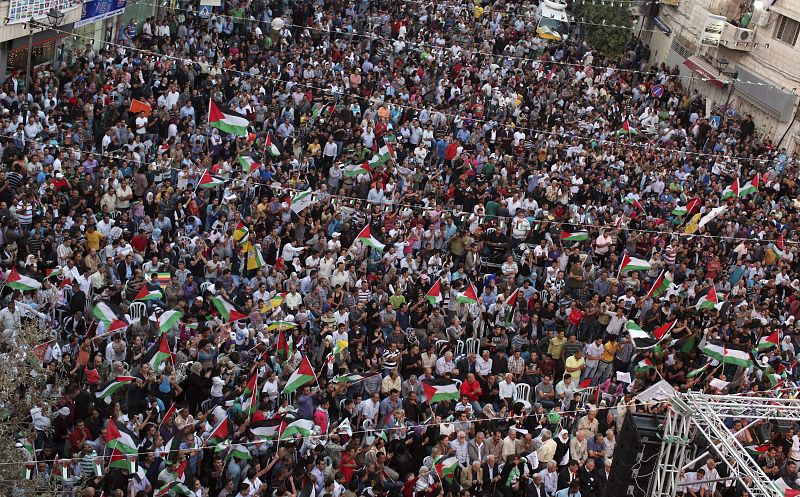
x=267 y=429
x=641 y=339
x=663 y=330
x=382 y=434
x=352 y=377
x=468 y=296
x=660 y=285
x=690 y=208
x=240 y=452
x=769 y=341
x=446 y=467
x=441 y=390
x=367 y=239
x=303 y=375
x=750 y=187
x=302 y=427
x=248 y=163
x=119 y=460
x=270 y=147
x=174 y=486
x=114 y=326
x=354 y=170
x=285 y=347
x=633 y=264
x=219 y=434
x=585 y=384
x=732 y=190
x=577 y=236
x=250 y=406
x=255 y=259
x=145 y=294
x=241 y=234
x=113 y=386
x=644 y=365
x=171 y=450
x=170 y=413
x=702 y=369
x=168 y=319
x=635 y=202
x=226 y=120
x=434 y=295
x=756 y=450
x=119 y=439
x=776 y=380
x=208 y=181
x=251 y=385
x=19 y=282
x=720 y=351
x=226 y=310
x=512 y=299
x=384 y=155
x=790 y=492
x=708 y=301
x=105 y=312
x=158 y=353
x=626 y=129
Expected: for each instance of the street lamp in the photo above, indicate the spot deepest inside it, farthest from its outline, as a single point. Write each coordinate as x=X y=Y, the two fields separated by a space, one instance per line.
x=721 y=65
x=54 y=18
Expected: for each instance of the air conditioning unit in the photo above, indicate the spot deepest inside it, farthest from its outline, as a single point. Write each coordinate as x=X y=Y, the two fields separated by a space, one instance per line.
x=742 y=35
x=764 y=18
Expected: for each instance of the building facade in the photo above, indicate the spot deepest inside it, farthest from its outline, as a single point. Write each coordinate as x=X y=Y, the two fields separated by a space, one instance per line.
x=743 y=54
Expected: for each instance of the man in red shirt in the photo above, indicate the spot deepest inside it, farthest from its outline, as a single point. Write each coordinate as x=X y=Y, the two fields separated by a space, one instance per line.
x=471 y=389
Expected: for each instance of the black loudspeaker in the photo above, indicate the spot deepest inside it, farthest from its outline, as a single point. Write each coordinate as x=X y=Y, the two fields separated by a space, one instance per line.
x=635 y=456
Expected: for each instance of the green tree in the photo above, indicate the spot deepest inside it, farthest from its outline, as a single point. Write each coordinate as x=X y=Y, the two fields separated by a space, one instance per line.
x=601 y=23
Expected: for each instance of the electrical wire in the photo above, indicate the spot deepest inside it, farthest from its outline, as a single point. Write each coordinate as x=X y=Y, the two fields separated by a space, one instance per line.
x=576 y=65
x=647 y=146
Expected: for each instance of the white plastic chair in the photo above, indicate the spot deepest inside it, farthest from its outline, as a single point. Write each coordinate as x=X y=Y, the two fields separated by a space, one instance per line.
x=207 y=285
x=523 y=391
x=473 y=346
x=459 y=347
x=458 y=383
x=137 y=310
x=368 y=425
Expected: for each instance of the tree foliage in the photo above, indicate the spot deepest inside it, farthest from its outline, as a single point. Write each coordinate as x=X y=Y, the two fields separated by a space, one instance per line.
x=610 y=41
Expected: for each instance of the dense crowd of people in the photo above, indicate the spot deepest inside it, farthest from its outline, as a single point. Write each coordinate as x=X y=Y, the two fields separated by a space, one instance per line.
x=507 y=240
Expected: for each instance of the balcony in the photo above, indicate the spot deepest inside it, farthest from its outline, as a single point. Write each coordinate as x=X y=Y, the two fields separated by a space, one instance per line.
x=736 y=38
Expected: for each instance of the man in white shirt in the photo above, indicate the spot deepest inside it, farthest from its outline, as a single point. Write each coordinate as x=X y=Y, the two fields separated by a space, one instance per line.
x=508 y=390
x=483 y=366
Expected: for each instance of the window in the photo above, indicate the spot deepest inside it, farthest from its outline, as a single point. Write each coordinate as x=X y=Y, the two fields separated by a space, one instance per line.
x=787 y=30
x=681 y=49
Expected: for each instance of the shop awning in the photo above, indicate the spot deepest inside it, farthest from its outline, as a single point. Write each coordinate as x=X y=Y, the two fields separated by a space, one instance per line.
x=706 y=71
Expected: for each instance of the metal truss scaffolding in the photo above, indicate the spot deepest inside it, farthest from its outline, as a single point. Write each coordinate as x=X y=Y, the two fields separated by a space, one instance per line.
x=705 y=414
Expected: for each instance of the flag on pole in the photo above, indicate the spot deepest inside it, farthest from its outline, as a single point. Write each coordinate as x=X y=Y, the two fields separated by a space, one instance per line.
x=708 y=301
x=713 y=214
x=769 y=341
x=689 y=209
x=273 y=303
x=354 y=170
x=238 y=451
x=119 y=439
x=302 y=427
x=226 y=310
x=284 y=347
x=732 y=190
x=158 y=353
x=19 y=282
x=644 y=365
x=145 y=294
x=352 y=377
x=446 y=467
x=226 y=120
x=248 y=163
x=663 y=330
x=750 y=187
x=270 y=146
x=720 y=352
x=138 y=106
x=366 y=238
x=633 y=264
x=434 y=295
x=168 y=319
x=626 y=129
x=440 y=390
x=219 y=434
x=302 y=375
x=698 y=371
x=468 y=296
x=660 y=285
x=266 y=429
x=384 y=155
x=113 y=386
x=512 y=299
x=577 y=236
x=208 y=181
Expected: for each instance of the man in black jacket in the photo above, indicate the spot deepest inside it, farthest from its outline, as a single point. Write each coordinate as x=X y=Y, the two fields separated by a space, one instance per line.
x=568 y=474
x=491 y=475
x=590 y=480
